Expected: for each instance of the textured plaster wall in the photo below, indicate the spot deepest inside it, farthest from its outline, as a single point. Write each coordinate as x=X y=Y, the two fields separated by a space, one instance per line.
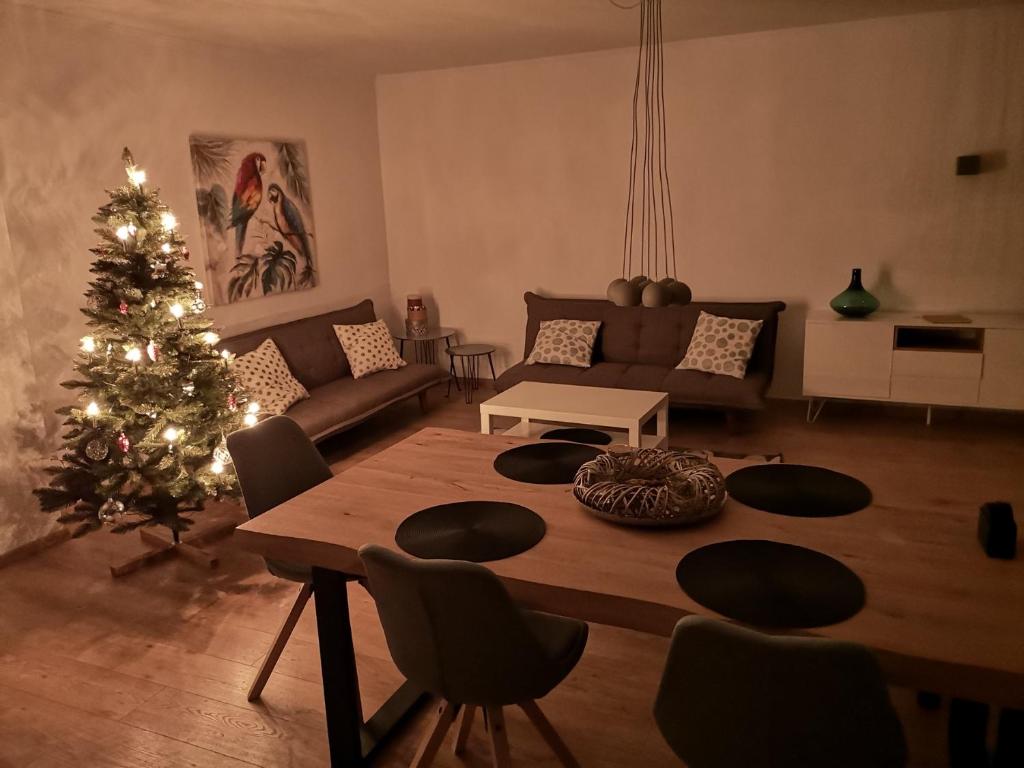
x=794 y=154
x=72 y=94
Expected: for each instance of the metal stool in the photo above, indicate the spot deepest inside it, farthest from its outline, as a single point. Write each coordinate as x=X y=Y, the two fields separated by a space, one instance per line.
x=469 y=359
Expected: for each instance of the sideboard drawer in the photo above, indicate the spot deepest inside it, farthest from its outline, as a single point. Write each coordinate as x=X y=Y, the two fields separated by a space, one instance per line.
x=931 y=390
x=941 y=365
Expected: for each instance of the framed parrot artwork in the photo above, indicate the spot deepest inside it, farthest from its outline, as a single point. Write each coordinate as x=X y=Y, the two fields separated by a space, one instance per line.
x=257 y=216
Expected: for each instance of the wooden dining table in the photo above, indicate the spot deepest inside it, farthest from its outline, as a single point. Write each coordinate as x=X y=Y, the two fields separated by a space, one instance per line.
x=939 y=615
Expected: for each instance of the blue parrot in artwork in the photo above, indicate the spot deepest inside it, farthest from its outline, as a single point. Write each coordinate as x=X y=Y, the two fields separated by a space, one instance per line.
x=247 y=196
x=288 y=221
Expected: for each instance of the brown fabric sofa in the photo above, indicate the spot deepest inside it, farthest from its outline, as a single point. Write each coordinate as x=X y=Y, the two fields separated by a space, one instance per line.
x=639 y=348
x=336 y=400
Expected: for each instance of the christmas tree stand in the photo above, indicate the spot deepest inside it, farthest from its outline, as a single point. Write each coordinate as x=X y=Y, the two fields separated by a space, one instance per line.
x=160 y=546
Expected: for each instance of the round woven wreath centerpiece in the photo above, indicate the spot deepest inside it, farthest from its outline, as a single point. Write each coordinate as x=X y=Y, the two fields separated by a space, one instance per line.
x=651 y=487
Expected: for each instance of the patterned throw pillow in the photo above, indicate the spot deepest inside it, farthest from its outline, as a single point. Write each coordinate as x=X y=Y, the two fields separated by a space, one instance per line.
x=369 y=348
x=565 y=342
x=721 y=345
x=265 y=376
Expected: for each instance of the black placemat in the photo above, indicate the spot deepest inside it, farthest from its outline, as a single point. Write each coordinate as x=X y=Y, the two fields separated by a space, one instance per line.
x=578 y=435
x=477 y=531
x=771 y=584
x=798 y=490
x=544 y=463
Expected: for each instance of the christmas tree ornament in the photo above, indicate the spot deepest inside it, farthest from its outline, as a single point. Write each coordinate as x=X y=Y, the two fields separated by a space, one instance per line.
x=184 y=253
x=198 y=305
x=132 y=437
x=97 y=449
x=111 y=510
x=220 y=453
x=232 y=402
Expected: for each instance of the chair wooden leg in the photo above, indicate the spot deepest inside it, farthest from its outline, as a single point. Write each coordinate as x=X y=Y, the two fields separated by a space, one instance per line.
x=549 y=734
x=465 y=726
x=499 y=738
x=280 y=642
x=443 y=720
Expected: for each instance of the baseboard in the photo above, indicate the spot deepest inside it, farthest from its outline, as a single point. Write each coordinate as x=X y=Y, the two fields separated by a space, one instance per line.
x=54 y=537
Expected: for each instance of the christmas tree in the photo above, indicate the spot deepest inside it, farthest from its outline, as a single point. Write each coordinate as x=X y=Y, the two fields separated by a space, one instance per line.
x=145 y=443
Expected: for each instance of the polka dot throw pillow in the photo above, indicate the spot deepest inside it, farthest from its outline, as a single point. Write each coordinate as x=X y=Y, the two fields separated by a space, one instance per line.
x=265 y=377
x=565 y=342
x=369 y=348
x=721 y=345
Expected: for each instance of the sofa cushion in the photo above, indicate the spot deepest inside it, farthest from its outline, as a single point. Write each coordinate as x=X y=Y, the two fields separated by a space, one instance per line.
x=369 y=348
x=346 y=401
x=565 y=342
x=694 y=388
x=721 y=345
x=265 y=377
x=706 y=389
x=309 y=346
x=615 y=375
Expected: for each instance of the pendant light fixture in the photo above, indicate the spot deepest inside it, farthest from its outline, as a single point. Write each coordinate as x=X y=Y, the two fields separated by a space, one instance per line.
x=649 y=243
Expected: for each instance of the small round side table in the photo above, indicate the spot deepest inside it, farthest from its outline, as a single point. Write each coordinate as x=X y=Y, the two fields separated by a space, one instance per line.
x=469 y=356
x=424 y=346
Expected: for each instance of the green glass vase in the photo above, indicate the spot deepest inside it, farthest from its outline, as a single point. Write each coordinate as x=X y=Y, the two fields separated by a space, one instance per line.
x=855 y=301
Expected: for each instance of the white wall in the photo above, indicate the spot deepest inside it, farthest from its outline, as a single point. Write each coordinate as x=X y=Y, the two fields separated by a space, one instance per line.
x=72 y=94
x=795 y=155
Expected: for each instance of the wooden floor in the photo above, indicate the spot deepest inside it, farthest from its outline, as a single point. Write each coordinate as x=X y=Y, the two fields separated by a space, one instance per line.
x=152 y=669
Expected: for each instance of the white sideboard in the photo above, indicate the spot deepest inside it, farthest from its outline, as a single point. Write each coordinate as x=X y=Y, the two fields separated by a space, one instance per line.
x=901 y=357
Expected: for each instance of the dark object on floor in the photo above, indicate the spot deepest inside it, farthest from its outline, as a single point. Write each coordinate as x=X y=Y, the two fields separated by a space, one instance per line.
x=929 y=700
x=544 y=463
x=477 y=531
x=336 y=400
x=968 y=165
x=469 y=356
x=798 y=490
x=454 y=631
x=771 y=584
x=967 y=732
x=578 y=435
x=275 y=461
x=733 y=697
x=640 y=347
x=997 y=530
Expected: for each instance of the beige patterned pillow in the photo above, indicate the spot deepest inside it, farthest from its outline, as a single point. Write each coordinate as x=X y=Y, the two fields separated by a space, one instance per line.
x=265 y=376
x=721 y=345
x=565 y=342
x=369 y=348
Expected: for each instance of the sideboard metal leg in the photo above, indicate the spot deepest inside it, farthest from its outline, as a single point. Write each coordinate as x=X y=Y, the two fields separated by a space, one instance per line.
x=812 y=411
x=928 y=417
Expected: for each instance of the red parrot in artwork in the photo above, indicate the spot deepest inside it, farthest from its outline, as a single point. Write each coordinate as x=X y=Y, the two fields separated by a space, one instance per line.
x=247 y=196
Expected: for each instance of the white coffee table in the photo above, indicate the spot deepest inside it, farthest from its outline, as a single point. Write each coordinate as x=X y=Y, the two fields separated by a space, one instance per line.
x=538 y=406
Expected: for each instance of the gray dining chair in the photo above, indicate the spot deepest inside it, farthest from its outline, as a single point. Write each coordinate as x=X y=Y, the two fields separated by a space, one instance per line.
x=274 y=462
x=731 y=697
x=454 y=631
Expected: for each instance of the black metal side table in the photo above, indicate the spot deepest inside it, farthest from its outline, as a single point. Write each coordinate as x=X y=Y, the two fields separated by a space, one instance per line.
x=424 y=346
x=469 y=356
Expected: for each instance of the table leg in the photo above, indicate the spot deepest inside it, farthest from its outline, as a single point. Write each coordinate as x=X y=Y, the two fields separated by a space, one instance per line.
x=968 y=728
x=494 y=376
x=401 y=347
x=351 y=741
x=662 y=427
x=485 y=423
x=634 y=434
